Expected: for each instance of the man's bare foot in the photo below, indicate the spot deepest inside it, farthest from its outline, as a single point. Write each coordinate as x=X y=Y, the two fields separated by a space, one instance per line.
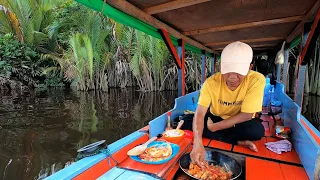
x=248 y=144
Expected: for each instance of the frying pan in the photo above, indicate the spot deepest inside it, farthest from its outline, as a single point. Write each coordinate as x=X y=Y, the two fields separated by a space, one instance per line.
x=215 y=158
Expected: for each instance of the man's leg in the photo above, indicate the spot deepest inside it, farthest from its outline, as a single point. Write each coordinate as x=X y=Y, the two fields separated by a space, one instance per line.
x=251 y=130
x=219 y=135
x=244 y=133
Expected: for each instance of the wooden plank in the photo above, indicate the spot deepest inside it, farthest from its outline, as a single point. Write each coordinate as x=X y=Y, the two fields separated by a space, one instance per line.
x=262 y=169
x=293 y=172
x=103 y=166
x=172 y=5
x=246 y=41
x=307 y=17
x=170 y=47
x=291 y=156
x=310 y=36
x=220 y=145
x=255 y=46
x=156 y=169
x=244 y=25
x=143 y=16
x=262 y=150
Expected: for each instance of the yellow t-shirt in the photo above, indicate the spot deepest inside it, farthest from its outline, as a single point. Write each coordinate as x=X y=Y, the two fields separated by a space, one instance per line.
x=223 y=102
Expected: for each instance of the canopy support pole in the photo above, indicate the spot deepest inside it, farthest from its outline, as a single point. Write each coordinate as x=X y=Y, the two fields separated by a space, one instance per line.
x=203 y=66
x=178 y=57
x=285 y=70
x=181 y=72
x=213 y=64
x=304 y=49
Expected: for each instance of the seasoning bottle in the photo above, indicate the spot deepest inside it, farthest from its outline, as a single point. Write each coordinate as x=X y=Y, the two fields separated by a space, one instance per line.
x=169 y=121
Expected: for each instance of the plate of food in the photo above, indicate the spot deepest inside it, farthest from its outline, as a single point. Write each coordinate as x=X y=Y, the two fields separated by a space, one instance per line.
x=157 y=152
x=218 y=166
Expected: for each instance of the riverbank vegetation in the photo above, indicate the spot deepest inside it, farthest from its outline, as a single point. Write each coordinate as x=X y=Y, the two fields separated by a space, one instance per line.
x=62 y=43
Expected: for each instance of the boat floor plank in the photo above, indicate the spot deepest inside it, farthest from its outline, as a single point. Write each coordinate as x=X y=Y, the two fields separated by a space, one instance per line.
x=293 y=172
x=268 y=170
x=291 y=156
x=220 y=145
x=262 y=150
x=205 y=141
x=262 y=170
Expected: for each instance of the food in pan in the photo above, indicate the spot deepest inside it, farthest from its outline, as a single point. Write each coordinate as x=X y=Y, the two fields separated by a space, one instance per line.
x=156 y=153
x=209 y=172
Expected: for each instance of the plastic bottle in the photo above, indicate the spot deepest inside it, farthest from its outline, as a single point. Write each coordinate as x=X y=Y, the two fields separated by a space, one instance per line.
x=271 y=95
x=169 y=121
x=266 y=97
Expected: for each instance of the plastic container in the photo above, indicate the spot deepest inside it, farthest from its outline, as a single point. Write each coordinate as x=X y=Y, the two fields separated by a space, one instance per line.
x=266 y=96
x=166 y=135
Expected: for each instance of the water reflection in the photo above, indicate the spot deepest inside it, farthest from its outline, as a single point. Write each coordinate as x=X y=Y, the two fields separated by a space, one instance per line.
x=41 y=131
x=311 y=110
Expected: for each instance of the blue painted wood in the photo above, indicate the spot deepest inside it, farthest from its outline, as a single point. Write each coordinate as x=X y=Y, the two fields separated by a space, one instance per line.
x=180 y=72
x=132 y=175
x=285 y=67
x=212 y=64
x=278 y=72
x=80 y=166
x=203 y=67
x=304 y=144
x=187 y=102
x=112 y=174
x=300 y=85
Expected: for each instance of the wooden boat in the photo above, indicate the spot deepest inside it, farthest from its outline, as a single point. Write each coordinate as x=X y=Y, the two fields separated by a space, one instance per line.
x=301 y=163
x=254 y=18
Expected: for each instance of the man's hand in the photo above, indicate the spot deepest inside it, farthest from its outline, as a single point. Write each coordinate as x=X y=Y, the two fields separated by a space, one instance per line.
x=198 y=152
x=229 y=122
x=197 y=155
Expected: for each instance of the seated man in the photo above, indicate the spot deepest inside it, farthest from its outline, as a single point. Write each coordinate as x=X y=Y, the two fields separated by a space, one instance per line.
x=233 y=97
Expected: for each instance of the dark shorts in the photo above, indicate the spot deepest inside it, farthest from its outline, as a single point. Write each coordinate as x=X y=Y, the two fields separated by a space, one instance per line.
x=251 y=130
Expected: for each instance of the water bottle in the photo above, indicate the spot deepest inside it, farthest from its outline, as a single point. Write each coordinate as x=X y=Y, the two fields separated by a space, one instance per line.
x=271 y=95
x=266 y=96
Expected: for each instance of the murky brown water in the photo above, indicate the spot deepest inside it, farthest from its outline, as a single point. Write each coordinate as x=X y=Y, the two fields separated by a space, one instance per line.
x=41 y=131
x=311 y=110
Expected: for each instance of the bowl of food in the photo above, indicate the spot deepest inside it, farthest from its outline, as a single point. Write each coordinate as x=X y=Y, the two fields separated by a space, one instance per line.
x=173 y=135
x=216 y=166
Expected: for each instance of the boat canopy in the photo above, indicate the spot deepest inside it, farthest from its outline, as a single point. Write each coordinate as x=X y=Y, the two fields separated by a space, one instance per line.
x=209 y=26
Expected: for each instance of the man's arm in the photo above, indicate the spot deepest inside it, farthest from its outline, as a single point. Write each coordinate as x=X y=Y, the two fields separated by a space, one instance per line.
x=231 y=121
x=198 y=123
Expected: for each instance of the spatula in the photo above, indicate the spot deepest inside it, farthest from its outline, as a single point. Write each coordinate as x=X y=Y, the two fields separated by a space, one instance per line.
x=141 y=148
x=180 y=124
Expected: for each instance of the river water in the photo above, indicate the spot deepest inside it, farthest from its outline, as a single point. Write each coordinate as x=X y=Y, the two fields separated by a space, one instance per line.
x=40 y=131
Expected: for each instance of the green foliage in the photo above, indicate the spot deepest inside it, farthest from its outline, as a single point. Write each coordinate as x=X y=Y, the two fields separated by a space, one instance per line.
x=32 y=18
x=19 y=61
x=22 y=63
x=63 y=40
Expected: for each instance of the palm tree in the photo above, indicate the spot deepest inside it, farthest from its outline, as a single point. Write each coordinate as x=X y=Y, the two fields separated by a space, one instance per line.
x=27 y=19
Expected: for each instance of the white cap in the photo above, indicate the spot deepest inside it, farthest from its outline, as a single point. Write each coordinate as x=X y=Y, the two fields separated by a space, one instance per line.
x=236 y=57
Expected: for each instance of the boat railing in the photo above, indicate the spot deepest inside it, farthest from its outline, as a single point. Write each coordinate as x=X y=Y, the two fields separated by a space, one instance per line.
x=305 y=137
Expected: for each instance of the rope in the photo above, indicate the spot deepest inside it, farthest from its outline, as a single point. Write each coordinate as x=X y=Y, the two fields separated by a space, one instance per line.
x=103 y=150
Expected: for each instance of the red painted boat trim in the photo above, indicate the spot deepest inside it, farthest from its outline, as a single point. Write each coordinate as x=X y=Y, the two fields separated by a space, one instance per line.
x=313 y=134
x=170 y=46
